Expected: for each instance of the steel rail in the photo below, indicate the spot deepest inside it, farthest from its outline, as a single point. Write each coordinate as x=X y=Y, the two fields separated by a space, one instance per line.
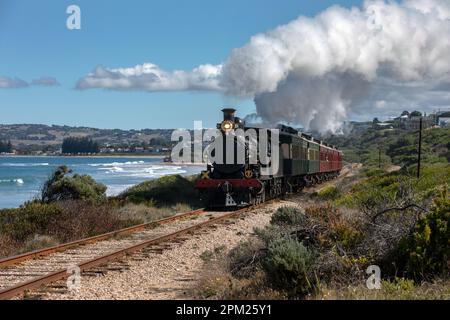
x=62 y=274
x=62 y=247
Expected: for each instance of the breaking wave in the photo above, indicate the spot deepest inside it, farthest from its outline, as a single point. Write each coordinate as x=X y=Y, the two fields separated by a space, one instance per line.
x=12 y=164
x=115 y=164
x=16 y=181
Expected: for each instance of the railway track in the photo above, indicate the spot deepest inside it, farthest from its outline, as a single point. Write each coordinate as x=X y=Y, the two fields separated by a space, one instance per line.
x=31 y=271
x=5 y=262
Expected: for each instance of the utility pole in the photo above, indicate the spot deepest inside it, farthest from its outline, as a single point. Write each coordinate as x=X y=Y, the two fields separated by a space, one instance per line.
x=379 y=157
x=420 y=148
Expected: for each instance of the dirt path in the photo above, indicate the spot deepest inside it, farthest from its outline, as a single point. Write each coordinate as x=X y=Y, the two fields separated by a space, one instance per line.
x=348 y=171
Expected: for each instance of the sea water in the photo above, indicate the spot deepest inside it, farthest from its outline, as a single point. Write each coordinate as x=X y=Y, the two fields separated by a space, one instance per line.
x=22 y=177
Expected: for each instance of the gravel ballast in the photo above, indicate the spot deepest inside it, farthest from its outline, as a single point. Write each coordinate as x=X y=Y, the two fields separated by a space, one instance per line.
x=170 y=274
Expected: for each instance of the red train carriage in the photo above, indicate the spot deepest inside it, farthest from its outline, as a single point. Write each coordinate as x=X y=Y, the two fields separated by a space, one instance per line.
x=330 y=159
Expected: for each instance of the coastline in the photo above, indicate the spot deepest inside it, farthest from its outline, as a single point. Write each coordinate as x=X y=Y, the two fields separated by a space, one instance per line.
x=21 y=176
x=81 y=156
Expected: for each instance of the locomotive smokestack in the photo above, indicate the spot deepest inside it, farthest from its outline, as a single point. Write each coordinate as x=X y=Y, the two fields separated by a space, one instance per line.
x=228 y=114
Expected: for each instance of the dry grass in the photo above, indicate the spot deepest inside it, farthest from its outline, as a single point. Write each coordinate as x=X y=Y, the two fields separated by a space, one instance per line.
x=38 y=242
x=7 y=245
x=217 y=283
x=398 y=289
x=34 y=229
x=146 y=213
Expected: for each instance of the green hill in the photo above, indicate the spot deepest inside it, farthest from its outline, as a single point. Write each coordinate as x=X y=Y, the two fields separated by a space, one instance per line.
x=397 y=146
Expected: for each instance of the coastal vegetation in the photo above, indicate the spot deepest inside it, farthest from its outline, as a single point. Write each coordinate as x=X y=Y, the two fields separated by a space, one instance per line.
x=168 y=190
x=72 y=206
x=321 y=248
x=62 y=186
x=394 y=146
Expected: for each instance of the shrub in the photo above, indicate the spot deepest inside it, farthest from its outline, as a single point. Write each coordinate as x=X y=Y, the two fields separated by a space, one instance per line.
x=61 y=187
x=167 y=190
x=7 y=245
x=347 y=235
x=287 y=216
x=428 y=250
x=329 y=193
x=245 y=258
x=287 y=266
x=80 y=219
x=37 y=225
x=271 y=233
x=39 y=242
x=33 y=218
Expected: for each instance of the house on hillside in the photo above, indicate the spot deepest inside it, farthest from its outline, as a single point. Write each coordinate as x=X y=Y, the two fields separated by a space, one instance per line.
x=411 y=121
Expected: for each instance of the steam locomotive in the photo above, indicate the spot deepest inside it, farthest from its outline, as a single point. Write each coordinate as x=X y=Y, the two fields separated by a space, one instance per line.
x=301 y=161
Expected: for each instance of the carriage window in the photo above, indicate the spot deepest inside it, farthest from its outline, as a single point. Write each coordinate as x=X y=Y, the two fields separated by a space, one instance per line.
x=295 y=152
x=285 y=149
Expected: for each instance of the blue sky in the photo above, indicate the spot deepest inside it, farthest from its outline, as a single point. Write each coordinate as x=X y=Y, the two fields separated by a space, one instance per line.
x=35 y=43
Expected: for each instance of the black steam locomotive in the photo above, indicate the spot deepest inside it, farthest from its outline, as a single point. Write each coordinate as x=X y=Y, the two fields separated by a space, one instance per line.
x=302 y=161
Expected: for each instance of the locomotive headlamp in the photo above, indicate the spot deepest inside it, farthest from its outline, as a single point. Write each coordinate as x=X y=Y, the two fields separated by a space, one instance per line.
x=227 y=126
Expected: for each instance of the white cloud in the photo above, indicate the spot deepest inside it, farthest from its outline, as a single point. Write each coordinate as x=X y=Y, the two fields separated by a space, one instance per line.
x=12 y=83
x=45 y=81
x=16 y=83
x=149 y=77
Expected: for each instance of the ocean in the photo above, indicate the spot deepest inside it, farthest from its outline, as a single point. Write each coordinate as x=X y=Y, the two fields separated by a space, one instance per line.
x=21 y=178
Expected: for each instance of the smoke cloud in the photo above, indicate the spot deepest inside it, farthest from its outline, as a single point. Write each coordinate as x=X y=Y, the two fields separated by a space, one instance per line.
x=375 y=60
x=316 y=71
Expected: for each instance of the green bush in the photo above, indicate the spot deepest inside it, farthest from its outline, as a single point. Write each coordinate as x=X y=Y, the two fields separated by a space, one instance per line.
x=380 y=189
x=62 y=187
x=287 y=266
x=33 y=218
x=428 y=250
x=167 y=190
x=329 y=193
x=287 y=216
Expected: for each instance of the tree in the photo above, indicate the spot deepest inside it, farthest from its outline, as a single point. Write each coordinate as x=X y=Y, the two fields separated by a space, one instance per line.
x=6 y=147
x=76 y=145
x=405 y=113
x=375 y=120
x=416 y=114
x=9 y=147
x=60 y=186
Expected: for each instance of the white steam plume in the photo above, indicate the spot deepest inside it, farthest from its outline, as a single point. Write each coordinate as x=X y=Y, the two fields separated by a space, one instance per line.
x=315 y=71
